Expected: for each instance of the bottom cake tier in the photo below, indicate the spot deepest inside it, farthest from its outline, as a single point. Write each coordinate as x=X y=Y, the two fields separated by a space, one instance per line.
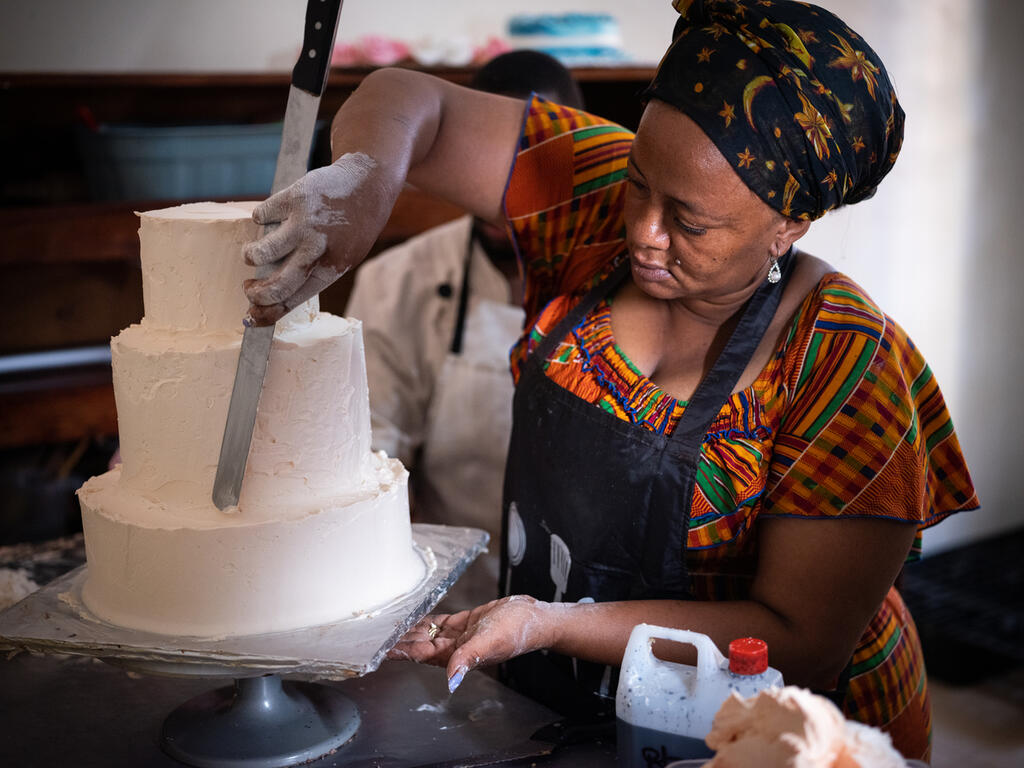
x=332 y=559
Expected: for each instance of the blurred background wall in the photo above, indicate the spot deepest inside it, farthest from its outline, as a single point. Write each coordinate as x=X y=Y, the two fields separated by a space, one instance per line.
x=938 y=247
x=254 y=35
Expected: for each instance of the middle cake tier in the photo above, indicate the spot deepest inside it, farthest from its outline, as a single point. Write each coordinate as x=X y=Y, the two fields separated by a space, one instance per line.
x=312 y=432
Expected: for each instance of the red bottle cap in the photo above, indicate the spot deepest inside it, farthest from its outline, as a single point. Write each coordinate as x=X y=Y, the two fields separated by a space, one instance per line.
x=748 y=656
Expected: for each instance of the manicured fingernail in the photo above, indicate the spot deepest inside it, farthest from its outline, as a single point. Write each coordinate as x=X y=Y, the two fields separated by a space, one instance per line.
x=456 y=680
x=248 y=322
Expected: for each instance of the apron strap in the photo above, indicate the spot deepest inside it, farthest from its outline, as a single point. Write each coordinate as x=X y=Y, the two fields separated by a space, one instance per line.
x=460 y=317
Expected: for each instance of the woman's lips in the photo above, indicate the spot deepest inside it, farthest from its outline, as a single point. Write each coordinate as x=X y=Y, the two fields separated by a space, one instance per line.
x=650 y=272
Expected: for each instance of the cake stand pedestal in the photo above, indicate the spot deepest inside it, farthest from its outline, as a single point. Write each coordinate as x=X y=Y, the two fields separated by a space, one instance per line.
x=262 y=721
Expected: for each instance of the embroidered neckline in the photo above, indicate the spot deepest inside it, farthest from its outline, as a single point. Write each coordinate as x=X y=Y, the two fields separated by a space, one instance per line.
x=644 y=401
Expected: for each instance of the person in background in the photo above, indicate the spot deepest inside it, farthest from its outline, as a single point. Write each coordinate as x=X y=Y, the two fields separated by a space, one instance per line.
x=440 y=313
x=712 y=429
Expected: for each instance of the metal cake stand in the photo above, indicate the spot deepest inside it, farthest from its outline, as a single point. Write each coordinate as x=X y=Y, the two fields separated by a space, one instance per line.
x=261 y=721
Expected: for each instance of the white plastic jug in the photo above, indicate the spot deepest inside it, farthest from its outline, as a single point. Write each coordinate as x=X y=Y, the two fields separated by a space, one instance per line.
x=664 y=710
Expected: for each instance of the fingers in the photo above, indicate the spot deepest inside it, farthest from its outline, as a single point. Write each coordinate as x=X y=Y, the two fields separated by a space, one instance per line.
x=460 y=642
x=431 y=641
x=272 y=246
x=431 y=628
x=479 y=644
x=259 y=316
x=288 y=278
x=270 y=313
x=433 y=652
x=455 y=678
x=460 y=663
x=274 y=208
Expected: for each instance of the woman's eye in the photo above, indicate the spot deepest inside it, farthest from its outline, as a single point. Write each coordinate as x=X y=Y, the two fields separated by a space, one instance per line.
x=690 y=230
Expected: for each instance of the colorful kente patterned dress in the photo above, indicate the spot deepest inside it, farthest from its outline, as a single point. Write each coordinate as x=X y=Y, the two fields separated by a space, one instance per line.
x=846 y=420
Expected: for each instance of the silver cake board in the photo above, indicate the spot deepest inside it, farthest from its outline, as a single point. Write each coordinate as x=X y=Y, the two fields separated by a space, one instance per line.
x=55 y=620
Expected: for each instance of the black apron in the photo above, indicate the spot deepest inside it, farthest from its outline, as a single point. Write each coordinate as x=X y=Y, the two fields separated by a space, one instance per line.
x=598 y=508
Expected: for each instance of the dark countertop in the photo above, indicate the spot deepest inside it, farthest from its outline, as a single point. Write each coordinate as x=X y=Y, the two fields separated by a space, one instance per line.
x=82 y=712
x=75 y=710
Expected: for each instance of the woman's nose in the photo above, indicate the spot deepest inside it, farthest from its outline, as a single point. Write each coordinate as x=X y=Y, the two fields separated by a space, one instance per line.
x=649 y=228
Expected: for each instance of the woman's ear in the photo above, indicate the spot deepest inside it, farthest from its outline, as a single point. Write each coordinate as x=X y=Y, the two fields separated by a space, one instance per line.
x=789 y=231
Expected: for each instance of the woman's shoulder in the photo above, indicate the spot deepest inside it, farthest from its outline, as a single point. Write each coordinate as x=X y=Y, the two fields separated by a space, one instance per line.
x=830 y=302
x=840 y=341
x=864 y=429
x=820 y=282
x=564 y=200
x=545 y=120
x=565 y=162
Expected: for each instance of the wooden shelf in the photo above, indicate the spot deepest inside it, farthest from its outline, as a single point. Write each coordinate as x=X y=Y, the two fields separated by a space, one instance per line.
x=57 y=407
x=344 y=77
x=56 y=99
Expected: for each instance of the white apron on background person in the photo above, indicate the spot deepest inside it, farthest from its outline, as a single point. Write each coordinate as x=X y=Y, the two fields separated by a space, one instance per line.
x=446 y=415
x=462 y=463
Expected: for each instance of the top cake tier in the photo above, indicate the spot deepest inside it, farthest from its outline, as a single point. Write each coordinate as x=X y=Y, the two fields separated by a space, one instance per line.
x=192 y=267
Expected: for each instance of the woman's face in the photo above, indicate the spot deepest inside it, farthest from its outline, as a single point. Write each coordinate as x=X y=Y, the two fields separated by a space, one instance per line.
x=695 y=231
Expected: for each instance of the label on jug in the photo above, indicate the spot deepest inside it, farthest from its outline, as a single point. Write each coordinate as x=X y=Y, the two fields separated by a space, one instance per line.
x=639 y=747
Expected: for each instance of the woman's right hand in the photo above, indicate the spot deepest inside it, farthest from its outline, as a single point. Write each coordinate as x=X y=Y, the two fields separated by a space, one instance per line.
x=450 y=142
x=327 y=221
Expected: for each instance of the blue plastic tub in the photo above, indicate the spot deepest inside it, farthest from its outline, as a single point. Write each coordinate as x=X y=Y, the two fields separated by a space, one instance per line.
x=182 y=162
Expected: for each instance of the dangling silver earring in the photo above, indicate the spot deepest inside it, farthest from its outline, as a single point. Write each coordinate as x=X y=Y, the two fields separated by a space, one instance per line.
x=774 y=273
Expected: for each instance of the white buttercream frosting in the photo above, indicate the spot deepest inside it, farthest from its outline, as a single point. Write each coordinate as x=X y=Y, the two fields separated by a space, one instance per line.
x=150 y=570
x=193 y=270
x=312 y=432
x=321 y=530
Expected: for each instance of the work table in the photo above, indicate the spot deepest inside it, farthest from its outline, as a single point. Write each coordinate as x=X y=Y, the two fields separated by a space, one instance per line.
x=75 y=710
x=79 y=710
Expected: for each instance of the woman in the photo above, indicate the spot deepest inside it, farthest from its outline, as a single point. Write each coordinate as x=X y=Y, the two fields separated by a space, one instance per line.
x=711 y=429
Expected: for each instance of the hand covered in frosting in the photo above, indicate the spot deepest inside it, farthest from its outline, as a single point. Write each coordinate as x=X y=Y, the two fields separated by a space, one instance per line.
x=328 y=221
x=489 y=634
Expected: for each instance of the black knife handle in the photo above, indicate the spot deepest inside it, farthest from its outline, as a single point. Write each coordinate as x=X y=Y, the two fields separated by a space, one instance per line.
x=310 y=72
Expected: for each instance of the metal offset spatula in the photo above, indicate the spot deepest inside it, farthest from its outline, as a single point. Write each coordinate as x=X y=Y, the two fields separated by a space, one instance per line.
x=308 y=80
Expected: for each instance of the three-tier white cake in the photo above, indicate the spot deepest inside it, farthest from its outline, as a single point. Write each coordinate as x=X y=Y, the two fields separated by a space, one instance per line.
x=321 y=531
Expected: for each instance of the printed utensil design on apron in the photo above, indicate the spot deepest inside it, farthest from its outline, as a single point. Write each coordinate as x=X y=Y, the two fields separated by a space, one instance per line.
x=516 y=543
x=561 y=564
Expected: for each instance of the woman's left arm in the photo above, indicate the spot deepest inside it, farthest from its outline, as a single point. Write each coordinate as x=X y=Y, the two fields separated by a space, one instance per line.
x=818 y=584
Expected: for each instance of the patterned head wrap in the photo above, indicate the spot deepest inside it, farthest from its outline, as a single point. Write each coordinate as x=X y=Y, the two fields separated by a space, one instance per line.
x=793 y=98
